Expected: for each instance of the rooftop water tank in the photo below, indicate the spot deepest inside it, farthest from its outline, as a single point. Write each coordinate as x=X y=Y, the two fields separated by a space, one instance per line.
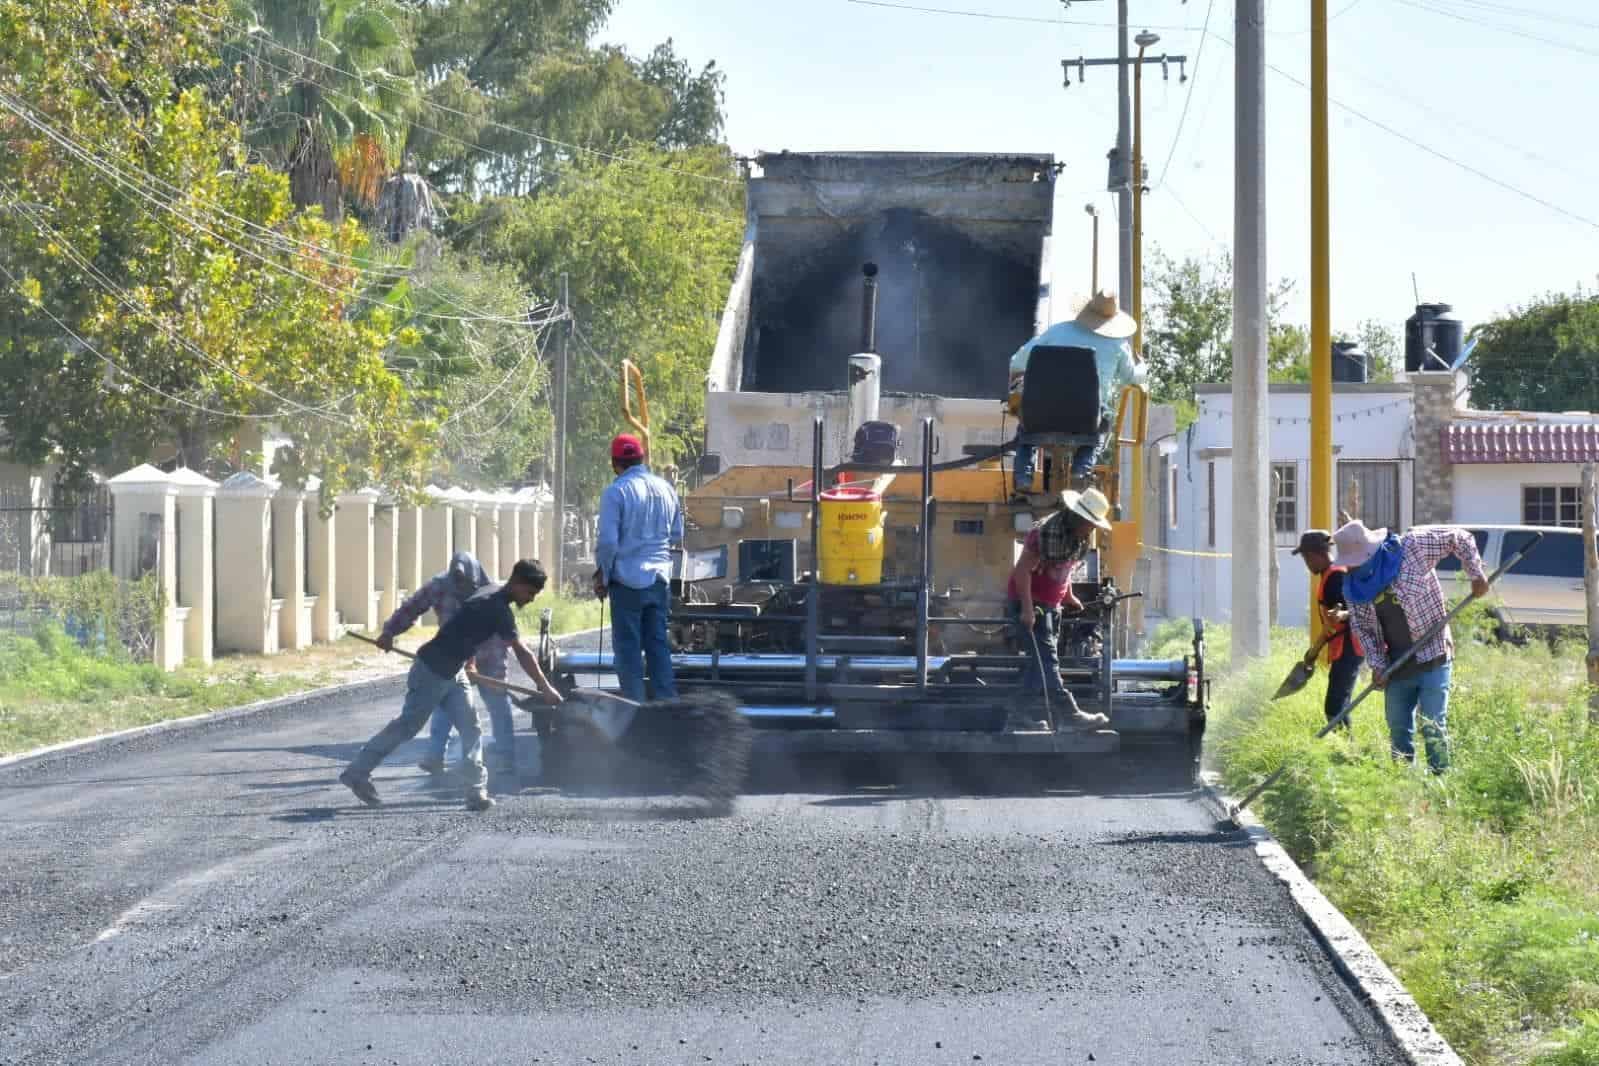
x=1349 y=363
x=1434 y=338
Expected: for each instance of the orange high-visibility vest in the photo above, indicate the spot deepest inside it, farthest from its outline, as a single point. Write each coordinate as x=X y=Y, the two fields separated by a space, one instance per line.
x=1334 y=648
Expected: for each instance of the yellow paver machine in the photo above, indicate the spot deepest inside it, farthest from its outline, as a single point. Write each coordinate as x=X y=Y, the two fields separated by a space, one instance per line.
x=851 y=537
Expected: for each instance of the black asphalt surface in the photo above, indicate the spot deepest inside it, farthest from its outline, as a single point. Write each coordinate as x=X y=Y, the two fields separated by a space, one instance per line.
x=213 y=896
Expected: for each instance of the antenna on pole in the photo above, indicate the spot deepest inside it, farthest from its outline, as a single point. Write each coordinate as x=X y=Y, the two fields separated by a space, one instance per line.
x=1414 y=288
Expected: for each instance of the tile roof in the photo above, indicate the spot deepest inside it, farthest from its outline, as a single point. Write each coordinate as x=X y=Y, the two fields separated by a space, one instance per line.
x=1525 y=442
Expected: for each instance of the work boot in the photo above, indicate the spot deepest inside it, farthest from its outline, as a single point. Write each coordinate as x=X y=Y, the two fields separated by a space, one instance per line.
x=362 y=786
x=1077 y=718
x=479 y=801
x=1025 y=722
x=431 y=764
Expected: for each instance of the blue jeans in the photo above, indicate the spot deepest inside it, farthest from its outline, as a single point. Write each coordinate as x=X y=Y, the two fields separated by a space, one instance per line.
x=504 y=726
x=1430 y=691
x=1045 y=630
x=426 y=692
x=1341 y=678
x=1027 y=459
x=638 y=633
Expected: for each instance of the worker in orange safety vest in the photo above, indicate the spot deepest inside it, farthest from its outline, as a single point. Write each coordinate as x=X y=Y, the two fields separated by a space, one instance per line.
x=1342 y=654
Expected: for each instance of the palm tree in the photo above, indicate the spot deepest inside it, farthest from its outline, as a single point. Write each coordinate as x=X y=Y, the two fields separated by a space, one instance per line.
x=327 y=91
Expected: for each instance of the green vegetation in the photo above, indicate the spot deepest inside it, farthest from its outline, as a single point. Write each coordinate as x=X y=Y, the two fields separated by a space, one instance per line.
x=228 y=220
x=1481 y=888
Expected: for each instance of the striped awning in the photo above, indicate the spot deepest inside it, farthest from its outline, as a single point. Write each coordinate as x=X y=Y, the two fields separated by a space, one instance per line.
x=1524 y=442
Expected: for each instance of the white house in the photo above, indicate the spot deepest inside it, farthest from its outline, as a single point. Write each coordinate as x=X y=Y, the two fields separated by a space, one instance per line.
x=1373 y=455
x=1407 y=453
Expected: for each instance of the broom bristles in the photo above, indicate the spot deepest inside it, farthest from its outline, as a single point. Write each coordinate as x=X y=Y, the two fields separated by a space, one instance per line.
x=697 y=745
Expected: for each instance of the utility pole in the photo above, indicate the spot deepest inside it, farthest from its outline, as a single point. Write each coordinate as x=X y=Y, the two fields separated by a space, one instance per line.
x=1123 y=183
x=1122 y=170
x=1590 y=583
x=558 y=567
x=1321 y=453
x=1251 y=525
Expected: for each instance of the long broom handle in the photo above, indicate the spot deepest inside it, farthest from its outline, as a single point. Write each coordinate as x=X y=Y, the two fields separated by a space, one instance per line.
x=1401 y=660
x=484 y=679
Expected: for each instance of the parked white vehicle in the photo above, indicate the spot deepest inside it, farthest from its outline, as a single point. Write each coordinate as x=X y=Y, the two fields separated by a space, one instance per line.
x=1545 y=588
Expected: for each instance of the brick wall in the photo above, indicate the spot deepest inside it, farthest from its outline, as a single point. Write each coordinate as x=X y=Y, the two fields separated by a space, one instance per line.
x=1434 y=399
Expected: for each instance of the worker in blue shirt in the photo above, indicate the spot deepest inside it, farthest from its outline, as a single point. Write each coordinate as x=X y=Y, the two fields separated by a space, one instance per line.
x=640 y=521
x=1103 y=330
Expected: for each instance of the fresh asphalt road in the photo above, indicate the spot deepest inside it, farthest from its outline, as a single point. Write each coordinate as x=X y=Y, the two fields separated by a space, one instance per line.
x=213 y=896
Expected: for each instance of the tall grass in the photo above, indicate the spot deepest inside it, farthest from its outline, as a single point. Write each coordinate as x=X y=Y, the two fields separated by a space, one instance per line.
x=1480 y=888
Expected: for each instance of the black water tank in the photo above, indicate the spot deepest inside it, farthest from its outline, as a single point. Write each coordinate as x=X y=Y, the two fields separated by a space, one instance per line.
x=1349 y=363
x=1434 y=338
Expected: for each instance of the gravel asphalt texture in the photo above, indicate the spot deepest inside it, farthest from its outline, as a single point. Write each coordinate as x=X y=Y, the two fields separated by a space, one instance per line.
x=214 y=896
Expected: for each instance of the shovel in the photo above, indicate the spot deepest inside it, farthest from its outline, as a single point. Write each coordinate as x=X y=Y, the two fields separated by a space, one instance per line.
x=564 y=718
x=1304 y=669
x=1234 y=810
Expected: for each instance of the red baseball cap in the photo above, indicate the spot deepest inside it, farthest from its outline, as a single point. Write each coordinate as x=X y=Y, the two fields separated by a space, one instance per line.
x=626 y=446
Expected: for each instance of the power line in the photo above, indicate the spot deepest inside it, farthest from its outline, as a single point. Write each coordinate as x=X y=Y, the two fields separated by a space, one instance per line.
x=560 y=174
x=1172 y=191
x=920 y=10
x=119 y=368
x=1513 y=31
x=121 y=295
x=1529 y=13
x=116 y=175
x=260 y=33
x=1428 y=149
x=1188 y=98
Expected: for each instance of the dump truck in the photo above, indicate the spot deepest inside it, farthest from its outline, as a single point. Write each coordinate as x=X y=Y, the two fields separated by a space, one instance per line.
x=848 y=545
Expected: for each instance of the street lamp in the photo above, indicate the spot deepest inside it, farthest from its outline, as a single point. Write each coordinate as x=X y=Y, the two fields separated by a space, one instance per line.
x=1144 y=40
x=1093 y=213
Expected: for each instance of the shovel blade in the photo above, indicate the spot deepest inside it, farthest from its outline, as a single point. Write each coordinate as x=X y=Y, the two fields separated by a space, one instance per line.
x=1297 y=679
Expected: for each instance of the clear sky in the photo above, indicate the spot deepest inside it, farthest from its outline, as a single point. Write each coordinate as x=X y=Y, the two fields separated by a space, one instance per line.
x=1506 y=87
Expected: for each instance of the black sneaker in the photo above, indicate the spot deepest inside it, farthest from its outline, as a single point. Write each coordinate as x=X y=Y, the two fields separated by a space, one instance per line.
x=479 y=801
x=362 y=786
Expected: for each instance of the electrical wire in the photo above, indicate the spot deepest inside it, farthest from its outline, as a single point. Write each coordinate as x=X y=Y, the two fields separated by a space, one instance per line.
x=130 y=375
x=114 y=173
x=258 y=32
x=1513 y=31
x=559 y=175
x=1427 y=148
x=1188 y=97
x=110 y=287
x=1525 y=12
x=994 y=16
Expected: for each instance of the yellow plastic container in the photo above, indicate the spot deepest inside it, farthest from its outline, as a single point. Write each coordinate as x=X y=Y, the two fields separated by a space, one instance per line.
x=851 y=548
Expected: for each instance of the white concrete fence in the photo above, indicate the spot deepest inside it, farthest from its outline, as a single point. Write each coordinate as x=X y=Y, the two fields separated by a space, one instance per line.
x=252 y=566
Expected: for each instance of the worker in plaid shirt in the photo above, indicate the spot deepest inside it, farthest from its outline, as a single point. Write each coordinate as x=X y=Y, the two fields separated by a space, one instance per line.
x=1395 y=600
x=444 y=593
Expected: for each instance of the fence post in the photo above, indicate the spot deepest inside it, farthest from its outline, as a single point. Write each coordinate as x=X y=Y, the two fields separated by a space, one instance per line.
x=1590 y=582
x=245 y=604
x=196 y=507
x=438 y=533
x=147 y=543
x=321 y=560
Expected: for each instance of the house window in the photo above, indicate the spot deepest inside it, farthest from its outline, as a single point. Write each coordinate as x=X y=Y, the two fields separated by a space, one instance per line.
x=1369 y=490
x=1285 y=500
x=969 y=526
x=1551 y=505
x=1210 y=504
x=1171 y=498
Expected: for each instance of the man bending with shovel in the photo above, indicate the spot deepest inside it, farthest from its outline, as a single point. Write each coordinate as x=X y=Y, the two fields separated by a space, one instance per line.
x=1339 y=651
x=436 y=681
x=1395 y=602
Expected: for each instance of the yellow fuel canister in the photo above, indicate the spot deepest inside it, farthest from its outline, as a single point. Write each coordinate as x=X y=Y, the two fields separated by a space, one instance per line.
x=851 y=548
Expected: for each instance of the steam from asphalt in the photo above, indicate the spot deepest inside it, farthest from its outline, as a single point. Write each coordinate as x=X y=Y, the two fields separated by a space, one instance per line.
x=951 y=310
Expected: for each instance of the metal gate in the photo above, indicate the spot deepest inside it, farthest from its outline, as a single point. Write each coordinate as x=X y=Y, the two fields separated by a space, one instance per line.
x=68 y=537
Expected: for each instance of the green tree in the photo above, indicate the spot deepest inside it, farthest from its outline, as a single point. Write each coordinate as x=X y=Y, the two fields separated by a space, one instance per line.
x=1543 y=356
x=326 y=90
x=163 y=294
x=648 y=246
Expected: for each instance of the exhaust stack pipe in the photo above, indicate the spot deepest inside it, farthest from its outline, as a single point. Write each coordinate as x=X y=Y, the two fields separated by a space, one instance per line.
x=869 y=309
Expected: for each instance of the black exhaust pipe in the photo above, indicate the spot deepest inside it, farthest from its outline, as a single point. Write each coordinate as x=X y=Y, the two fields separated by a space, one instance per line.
x=869 y=310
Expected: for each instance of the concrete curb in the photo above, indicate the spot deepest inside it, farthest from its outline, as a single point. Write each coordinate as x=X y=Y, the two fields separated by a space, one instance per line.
x=370 y=688
x=1354 y=958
